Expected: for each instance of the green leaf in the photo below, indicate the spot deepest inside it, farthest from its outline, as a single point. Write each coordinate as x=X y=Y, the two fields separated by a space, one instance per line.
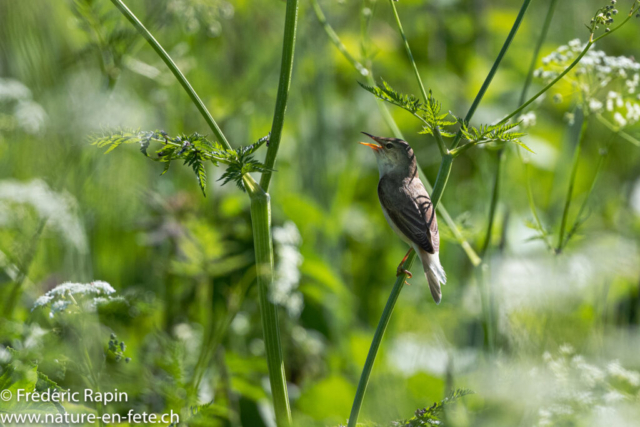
x=523 y=145
x=195 y=150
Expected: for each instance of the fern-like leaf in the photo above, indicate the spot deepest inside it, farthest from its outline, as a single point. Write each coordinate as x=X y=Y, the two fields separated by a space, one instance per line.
x=195 y=150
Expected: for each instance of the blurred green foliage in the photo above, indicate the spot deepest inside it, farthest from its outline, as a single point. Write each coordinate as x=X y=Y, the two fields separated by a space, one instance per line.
x=183 y=264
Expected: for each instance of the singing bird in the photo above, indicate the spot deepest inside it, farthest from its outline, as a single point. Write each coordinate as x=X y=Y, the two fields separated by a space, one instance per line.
x=407 y=207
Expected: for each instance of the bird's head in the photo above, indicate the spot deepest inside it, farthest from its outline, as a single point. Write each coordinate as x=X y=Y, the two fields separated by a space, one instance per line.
x=393 y=155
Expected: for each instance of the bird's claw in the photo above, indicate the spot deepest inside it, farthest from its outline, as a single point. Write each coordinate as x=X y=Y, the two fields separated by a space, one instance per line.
x=402 y=271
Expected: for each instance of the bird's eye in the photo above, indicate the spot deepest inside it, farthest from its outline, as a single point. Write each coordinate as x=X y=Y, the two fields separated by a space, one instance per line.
x=389 y=146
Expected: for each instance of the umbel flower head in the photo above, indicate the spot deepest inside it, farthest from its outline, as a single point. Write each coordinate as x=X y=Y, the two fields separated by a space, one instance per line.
x=83 y=296
x=605 y=84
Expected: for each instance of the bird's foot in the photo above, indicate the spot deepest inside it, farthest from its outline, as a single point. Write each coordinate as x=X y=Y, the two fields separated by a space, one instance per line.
x=400 y=271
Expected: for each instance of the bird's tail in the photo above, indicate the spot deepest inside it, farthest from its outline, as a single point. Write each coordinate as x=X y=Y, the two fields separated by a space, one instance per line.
x=434 y=272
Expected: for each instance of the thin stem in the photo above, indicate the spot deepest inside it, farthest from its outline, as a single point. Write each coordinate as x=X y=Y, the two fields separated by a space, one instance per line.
x=375 y=343
x=442 y=179
x=494 y=69
x=406 y=46
x=532 y=205
x=537 y=49
x=583 y=207
x=495 y=194
x=322 y=19
x=261 y=224
x=286 y=69
x=617 y=130
x=439 y=140
x=487 y=306
x=175 y=70
x=436 y=132
x=572 y=180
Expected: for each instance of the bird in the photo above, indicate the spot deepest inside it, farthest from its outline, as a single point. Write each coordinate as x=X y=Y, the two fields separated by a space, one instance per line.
x=407 y=207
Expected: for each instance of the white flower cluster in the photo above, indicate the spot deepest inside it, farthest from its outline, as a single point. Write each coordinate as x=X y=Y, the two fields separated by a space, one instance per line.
x=23 y=111
x=59 y=209
x=528 y=119
x=580 y=389
x=67 y=294
x=608 y=84
x=284 y=292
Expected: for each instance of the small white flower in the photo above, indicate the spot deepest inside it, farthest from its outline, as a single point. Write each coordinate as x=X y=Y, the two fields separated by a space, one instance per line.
x=570 y=118
x=620 y=120
x=528 y=119
x=633 y=112
x=595 y=106
x=613 y=396
x=566 y=349
x=617 y=371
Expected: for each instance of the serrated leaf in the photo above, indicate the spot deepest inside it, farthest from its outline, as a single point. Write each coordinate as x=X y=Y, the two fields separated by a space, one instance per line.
x=523 y=145
x=166 y=167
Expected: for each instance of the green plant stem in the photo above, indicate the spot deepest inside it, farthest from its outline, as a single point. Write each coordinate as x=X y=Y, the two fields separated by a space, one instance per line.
x=408 y=49
x=493 y=204
x=494 y=69
x=572 y=180
x=261 y=224
x=175 y=70
x=495 y=194
x=218 y=329
x=286 y=69
x=436 y=132
x=532 y=204
x=322 y=19
x=618 y=131
x=377 y=340
x=585 y=202
x=536 y=52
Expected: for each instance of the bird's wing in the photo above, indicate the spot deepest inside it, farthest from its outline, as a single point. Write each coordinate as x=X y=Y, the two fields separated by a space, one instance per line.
x=410 y=209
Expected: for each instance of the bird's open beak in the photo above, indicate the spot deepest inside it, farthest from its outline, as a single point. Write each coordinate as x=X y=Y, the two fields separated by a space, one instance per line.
x=375 y=147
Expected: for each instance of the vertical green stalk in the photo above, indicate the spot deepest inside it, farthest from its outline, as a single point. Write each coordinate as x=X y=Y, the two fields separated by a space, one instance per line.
x=286 y=69
x=572 y=180
x=377 y=340
x=436 y=132
x=261 y=224
x=175 y=70
x=322 y=19
x=578 y=220
x=408 y=49
x=495 y=196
